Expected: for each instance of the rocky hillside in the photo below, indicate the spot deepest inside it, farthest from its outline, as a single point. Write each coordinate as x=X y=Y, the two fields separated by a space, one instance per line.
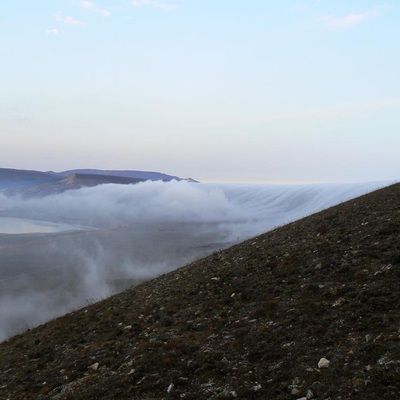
x=308 y=311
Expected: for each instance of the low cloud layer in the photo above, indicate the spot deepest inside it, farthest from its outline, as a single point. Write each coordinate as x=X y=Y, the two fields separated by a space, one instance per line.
x=135 y=232
x=110 y=205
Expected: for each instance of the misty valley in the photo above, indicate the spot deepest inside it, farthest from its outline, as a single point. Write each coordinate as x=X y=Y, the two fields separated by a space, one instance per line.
x=62 y=247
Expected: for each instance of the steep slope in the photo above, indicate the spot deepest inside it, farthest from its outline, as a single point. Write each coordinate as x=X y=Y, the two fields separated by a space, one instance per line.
x=311 y=310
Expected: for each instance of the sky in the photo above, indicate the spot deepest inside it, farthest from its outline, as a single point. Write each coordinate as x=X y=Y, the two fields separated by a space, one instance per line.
x=289 y=91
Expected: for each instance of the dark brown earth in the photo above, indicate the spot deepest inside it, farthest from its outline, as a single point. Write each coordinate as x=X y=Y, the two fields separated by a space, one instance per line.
x=249 y=322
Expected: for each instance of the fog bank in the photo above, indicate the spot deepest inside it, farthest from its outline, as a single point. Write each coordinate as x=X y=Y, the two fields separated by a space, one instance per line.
x=137 y=232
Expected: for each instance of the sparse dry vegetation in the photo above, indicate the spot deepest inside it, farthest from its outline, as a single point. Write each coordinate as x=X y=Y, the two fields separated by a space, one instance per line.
x=249 y=322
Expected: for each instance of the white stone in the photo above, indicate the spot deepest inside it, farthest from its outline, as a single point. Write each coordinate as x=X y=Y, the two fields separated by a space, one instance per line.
x=339 y=302
x=94 y=366
x=323 y=363
x=170 y=388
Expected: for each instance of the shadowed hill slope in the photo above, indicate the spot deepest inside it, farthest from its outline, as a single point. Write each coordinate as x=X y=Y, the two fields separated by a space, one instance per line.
x=71 y=182
x=249 y=322
x=19 y=178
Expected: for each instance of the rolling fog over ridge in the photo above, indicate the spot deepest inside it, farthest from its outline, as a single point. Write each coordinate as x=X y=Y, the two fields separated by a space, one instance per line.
x=138 y=232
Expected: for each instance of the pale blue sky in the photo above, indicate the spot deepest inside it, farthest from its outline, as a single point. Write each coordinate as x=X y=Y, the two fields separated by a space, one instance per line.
x=255 y=91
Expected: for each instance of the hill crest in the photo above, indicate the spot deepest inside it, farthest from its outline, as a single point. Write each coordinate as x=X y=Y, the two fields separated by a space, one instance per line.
x=143 y=175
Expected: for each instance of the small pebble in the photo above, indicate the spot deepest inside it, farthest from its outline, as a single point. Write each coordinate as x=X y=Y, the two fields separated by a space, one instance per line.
x=170 y=388
x=323 y=363
x=94 y=366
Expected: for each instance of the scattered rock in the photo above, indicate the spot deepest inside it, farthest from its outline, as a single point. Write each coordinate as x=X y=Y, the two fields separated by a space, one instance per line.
x=257 y=387
x=323 y=363
x=339 y=302
x=94 y=366
x=170 y=388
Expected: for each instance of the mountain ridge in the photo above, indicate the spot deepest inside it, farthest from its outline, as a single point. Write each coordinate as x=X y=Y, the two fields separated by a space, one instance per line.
x=39 y=184
x=145 y=175
x=308 y=310
x=20 y=178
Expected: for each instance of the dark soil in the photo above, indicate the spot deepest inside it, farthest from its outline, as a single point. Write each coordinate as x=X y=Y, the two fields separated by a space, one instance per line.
x=249 y=322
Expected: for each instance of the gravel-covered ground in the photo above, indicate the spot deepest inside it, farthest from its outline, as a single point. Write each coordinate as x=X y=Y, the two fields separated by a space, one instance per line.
x=310 y=310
